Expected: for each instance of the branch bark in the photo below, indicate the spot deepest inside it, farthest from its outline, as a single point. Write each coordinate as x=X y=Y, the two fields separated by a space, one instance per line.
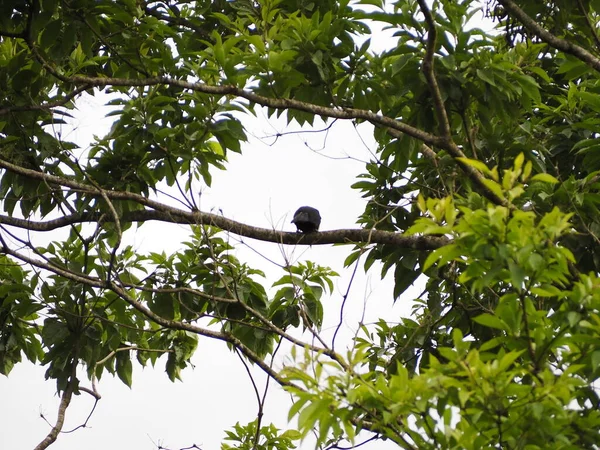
x=428 y=71
x=554 y=41
x=283 y=104
x=121 y=291
x=65 y=400
x=164 y=213
x=448 y=143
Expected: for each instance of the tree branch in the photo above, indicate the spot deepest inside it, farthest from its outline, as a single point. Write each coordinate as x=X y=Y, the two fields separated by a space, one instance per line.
x=170 y=324
x=440 y=108
x=276 y=103
x=448 y=143
x=283 y=104
x=226 y=337
x=164 y=213
x=65 y=400
x=556 y=42
x=174 y=215
x=176 y=21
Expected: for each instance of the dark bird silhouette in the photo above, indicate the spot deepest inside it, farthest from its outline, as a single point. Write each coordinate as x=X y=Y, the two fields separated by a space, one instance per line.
x=307 y=219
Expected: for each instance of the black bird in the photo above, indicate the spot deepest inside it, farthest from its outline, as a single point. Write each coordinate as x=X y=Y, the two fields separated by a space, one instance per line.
x=307 y=219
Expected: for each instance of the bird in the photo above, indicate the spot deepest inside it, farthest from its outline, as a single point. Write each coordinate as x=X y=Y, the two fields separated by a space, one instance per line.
x=307 y=219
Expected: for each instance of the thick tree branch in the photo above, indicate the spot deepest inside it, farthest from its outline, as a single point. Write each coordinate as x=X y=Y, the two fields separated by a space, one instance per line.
x=164 y=213
x=283 y=104
x=174 y=215
x=554 y=41
x=276 y=103
x=448 y=143
x=230 y=90
x=428 y=71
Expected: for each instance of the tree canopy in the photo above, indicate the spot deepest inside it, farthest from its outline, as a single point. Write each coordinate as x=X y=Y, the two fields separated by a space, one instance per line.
x=485 y=179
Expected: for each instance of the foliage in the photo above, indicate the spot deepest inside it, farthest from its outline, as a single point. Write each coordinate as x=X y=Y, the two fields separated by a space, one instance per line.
x=270 y=439
x=486 y=179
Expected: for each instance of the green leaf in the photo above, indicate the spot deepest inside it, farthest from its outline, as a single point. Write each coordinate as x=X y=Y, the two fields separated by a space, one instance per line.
x=508 y=359
x=487 y=76
x=592 y=100
x=493 y=187
x=491 y=321
x=442 y=256
x=517 y=275
x=124 y=367
x=475 y=164
x=545 y=178
x=596 y=359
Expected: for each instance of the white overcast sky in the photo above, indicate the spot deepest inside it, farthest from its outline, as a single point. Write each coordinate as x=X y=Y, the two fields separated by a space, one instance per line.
x=261 y=187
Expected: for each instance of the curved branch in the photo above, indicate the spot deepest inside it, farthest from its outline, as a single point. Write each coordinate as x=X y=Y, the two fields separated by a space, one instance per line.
x=283 y=104
x=164 y=213
x=65 y=400
x=46 y=106
x=276 y=103
x=440 y=108
x=60 y=420
x=167 y=323
x=456 y=152
x=448 y=143
x=175 y=325
x=554 y=41
x=174 y=215
x=230 y=90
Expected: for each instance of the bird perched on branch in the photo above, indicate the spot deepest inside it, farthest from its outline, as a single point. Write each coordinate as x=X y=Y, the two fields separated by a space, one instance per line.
x=307 y=219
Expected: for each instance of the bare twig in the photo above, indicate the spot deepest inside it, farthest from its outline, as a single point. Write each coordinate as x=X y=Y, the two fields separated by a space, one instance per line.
x=345 y=299
x=259 y=400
